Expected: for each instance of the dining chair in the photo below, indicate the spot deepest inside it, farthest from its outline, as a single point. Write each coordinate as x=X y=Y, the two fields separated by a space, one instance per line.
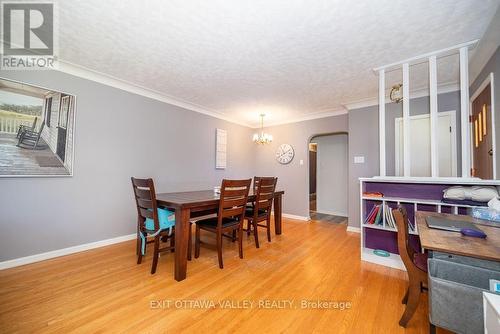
x=154 y=224
x=415 y=263
x=261 y=207
x=230 y=216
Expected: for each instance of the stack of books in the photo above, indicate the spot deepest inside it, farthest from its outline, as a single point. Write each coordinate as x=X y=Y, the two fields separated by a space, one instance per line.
x=376 y=214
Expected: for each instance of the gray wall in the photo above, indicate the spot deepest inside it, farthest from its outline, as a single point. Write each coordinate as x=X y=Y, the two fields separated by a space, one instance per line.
x=294 y=177
x=492 y=66
x=332 y=174
x=363 y=141
x=118 y=135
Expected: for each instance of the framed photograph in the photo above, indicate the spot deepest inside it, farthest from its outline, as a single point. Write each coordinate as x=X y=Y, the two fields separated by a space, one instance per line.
x=37 y=128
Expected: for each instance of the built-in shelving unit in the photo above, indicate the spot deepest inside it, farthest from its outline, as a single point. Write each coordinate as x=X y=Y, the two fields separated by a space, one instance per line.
x=416 y=194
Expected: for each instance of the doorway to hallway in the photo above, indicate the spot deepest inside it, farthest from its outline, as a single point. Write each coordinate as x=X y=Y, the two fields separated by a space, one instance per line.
x=328 y=171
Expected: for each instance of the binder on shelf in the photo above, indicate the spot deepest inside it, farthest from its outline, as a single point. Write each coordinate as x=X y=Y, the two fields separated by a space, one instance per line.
x=378 y=219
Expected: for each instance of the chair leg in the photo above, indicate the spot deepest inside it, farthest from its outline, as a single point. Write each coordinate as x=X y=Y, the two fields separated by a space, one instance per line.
x=268 y=223
x=240 y=240
x=172 y=243
x=249 y=227
x=219 y=248
x=197 y=242
x=233 y=237
x=155 y=254
x=405 y=298
x=411 y=306
x=190 y=244
x=138 y=243
x=255 y=233
x=139 y=251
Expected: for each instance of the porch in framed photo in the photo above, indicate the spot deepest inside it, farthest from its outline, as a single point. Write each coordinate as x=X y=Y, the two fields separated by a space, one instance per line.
x=36 y=131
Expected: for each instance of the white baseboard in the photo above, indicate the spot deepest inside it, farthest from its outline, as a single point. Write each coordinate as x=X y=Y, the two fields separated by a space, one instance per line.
x=332 y=213
x=65 y=251
x=353 y=229
x=287 y=215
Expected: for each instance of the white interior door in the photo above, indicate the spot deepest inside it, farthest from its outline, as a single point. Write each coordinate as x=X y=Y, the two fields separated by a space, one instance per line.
x=420 y=145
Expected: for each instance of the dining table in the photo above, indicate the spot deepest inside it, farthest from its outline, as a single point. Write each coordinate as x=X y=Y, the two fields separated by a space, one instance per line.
x=192 y=204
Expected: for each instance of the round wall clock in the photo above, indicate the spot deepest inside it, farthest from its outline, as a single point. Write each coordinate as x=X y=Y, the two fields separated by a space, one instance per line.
x=285 y=154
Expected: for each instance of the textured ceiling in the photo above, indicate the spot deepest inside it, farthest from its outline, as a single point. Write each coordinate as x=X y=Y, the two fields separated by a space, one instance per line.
x=288 y=58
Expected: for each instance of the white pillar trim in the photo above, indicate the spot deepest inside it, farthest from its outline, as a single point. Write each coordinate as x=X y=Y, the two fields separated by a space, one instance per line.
x=381 y=121
x=464 y=111
x=406 y=120
x=433 y=116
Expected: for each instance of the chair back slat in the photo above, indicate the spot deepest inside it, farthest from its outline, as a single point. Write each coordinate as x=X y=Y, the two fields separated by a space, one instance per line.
x=265 y=193
x=145 y=203
x=236 y=192
x=405 y=250
x=147 y=213
x=145 y=200
x=142 y=193
x=236 y=202
x=233 y=198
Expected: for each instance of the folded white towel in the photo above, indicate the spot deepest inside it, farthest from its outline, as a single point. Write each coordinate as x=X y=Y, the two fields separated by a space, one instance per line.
x=494 y=204
x=482 y=193
x=457 y=193
x=475 y=193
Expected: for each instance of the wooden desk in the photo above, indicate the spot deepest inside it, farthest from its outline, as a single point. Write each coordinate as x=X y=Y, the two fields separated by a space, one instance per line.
x=196 y=203
x=455 y=242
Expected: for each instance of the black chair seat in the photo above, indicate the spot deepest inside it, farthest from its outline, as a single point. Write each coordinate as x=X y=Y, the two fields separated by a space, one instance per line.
x=212 y=222
x=249 y=212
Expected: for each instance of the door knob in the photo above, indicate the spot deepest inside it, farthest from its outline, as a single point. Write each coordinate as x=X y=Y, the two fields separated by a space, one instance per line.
x=490 y=152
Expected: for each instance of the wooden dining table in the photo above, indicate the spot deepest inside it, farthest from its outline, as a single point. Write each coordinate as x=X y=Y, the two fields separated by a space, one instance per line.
x=191 y=204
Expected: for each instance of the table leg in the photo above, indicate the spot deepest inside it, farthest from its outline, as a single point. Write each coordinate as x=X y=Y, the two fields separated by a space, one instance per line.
x=181 y=243
x=277 y=214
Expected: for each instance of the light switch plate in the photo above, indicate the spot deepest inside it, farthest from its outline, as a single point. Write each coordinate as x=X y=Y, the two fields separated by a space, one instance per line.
x=301 y=162
x=359 y=160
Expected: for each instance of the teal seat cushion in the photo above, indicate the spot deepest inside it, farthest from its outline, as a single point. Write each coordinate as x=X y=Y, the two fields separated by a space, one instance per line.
x=166 y=218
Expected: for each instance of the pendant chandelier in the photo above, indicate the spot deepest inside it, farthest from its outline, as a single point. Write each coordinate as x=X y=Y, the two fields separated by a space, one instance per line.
x=262 y=138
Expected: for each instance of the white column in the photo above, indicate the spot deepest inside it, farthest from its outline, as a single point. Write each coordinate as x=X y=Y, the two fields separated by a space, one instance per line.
x=433 y=116
x=381 y=120
x=406 y=120
x=464 y=110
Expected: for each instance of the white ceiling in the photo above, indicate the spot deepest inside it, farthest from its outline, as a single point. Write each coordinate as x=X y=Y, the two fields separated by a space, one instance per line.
x=289 y=59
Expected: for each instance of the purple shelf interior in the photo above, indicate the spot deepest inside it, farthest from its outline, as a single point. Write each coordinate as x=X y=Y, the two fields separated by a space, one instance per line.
x=408 y=190
x=387 y=240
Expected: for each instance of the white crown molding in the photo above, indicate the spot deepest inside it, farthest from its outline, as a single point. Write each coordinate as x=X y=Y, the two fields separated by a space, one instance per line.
x=108 y=80
x=420 y=92
x=308 y=117
x=65 y=251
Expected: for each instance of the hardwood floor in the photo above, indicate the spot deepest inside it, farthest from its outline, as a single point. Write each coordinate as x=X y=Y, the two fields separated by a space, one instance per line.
x=326 y=217
x=103 y=290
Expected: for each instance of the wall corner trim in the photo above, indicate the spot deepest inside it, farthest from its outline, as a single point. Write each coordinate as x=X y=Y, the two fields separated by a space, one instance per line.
x=64 y=251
